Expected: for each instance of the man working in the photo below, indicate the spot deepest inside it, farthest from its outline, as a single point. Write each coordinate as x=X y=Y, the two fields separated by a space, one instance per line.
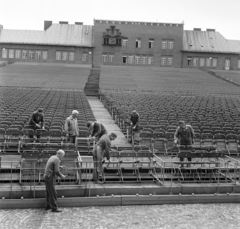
x=71 y=127
x=51 y=171
x=102 y=146
x=37 y=120
x=96 y=129
x=134 y=121
x=185 y=134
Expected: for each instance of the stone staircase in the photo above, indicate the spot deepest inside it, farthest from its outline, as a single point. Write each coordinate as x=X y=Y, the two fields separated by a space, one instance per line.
x=92 y=85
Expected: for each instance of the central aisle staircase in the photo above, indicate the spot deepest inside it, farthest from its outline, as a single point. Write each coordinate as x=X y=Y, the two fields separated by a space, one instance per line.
x=102 y=115
x=92 y=85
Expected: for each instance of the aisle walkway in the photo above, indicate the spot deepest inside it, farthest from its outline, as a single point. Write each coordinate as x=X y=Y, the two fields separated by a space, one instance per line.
x=102 y=115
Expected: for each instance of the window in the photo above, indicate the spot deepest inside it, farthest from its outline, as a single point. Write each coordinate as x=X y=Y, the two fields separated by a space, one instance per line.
x=137 y=59
x=150 y=60
x=111 y=58
x=130 y=59
x=104 y=58
x=151 y=43
x=31 y=55
x=4 y=53
x=18 y=54
x=58 y=55
x=170 y=45
x=189 y=61
x=85 y=57
x=208 y=62
x=169 y=61
x=195 y=62
x=11 y=53
x=163 y=61
x=124 y=42
x=64 y=56
x=24 y=54
x=44 y=55
x=71 y=56
x=138 y=43
x=164 y=44
x=214 y=62
x=124 y=59
x=238 y=63
x=38 y=55
x=144 y=60
x=227 y=63
x=202 y=62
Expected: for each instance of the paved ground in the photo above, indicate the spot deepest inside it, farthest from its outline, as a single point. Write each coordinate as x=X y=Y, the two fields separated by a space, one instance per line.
x=194 y=216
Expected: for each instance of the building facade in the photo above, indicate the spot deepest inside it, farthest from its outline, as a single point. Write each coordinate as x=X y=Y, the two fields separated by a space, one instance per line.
x=137 y=43
x=131 y=43
x=209 y=50
x=58 y=43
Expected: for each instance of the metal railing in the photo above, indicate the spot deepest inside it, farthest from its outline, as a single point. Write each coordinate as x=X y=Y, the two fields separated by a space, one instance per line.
x=167 y=172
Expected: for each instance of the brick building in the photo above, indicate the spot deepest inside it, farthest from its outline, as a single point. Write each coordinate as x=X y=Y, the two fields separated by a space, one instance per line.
x=57 y=43
x=209 y=50
x=137 y=43
x=111 y=42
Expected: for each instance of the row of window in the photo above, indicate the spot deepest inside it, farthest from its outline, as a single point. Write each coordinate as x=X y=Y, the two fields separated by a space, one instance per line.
x=24 y=54
x=65 y=56
x=202 y=62
x=166 y=44
x=138 y=59
x=40 y=55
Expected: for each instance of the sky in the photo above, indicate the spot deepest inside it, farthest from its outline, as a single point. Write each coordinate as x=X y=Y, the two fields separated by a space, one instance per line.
x=221 y=15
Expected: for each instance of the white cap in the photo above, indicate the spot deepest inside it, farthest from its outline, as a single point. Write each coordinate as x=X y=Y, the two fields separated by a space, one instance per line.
x=75 y=112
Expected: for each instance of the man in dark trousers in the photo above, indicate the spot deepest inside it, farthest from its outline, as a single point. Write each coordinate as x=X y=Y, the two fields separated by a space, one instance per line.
x=51 y=171
x=103 y=146
x=96 y=129
x=185 y=134
x=71 y=127
x=134 y=121
x=37 y=120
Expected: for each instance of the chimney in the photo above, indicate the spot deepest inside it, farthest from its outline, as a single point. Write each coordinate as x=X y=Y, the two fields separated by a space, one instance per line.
x=78 y=23
x=47 y=24
x=210 y=30
x=197 y=29
x=63 y=22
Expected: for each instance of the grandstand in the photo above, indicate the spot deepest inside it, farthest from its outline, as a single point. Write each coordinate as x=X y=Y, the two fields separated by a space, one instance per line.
x=161 y=96
x=169 y=80
x=65 y=76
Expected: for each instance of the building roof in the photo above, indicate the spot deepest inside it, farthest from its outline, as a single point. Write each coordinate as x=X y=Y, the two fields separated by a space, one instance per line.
x=56 y=34
x=208 y=41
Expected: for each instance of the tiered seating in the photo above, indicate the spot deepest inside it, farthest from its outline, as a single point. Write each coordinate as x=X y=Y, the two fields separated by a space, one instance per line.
x=230 y=76
x=44 y=76
x=155 y=79
x=17 y=109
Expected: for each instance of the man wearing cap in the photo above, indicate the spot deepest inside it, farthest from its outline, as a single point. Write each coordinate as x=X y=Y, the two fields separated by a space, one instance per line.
x=134 y=121
x=185 y=134
x=37 y=120
x=71 y=127
x=96 y=129
x=103 y=146
x=52 y=170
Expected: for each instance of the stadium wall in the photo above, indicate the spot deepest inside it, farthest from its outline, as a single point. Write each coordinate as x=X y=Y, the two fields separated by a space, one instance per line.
x=130 y=31
x=82 y=55
x=188 y=60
